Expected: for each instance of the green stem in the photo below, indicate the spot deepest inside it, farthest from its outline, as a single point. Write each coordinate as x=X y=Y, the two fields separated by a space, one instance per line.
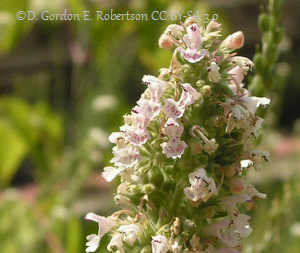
x=178 y=194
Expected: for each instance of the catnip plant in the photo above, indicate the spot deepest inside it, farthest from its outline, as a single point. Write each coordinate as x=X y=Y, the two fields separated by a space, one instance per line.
x=184 y=150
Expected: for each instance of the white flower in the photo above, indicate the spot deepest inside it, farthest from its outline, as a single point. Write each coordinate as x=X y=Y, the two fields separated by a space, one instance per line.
x=104 y=102
x=105 y=224
x=159 y=244
x=239 y=220
x=244 y=63
x=174 y=147
x=255 y=157
x=193 y=41
x=252 y=103
x=223 y=231
x=252 y=192
x=246 y=163
x=213 y=72
x=116 y=243
x=110 y=173
x=202 y=187
x=175 y=109
x=129 y=233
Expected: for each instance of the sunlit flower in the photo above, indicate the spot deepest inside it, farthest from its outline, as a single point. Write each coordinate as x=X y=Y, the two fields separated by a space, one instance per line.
x=193 y=41
x=202 y=187
x=105 y=224
x=174 y=147
x=116 y=243
x=136 y=132
x=129 y=232
x=252 y=103
x=159 y=244
x=175 y=109
x=234 y=41
x=243 y=62
x=225 y=232
x=174 y=30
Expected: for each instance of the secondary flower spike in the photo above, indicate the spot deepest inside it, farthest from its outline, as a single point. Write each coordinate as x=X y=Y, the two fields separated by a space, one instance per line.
x=182 y=154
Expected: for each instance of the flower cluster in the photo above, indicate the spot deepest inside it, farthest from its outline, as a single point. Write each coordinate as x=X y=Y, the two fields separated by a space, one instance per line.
x=183 y=152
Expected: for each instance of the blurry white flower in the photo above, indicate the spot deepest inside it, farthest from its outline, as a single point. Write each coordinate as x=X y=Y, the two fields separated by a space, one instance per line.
x=104 y=102
x=99 y=136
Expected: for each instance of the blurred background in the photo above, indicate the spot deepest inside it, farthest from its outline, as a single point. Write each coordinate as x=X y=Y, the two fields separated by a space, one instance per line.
x=64 y=86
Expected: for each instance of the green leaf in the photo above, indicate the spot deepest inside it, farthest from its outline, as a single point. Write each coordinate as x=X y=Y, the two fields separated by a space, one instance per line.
x=13 y=149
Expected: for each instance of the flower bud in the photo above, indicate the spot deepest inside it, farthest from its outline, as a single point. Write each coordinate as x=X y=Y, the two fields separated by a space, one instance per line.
x=196 y=148
x=234 y=41
x=166 y=41
x=236 y=186
x=148 y=188
x=230 y=172
x=213 y=25
x=278 y=36
x=189 y=21
x=206 y=91
x=259 y=62
x=264 y=22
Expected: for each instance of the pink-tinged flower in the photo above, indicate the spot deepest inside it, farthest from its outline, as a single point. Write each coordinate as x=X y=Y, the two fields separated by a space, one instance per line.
x=234 y=41
x=193 y=41
x=125 y=156
x=159 y=244
x=129 y=232
x=174 y=147
x=188 y=95
x=175 y=109
x=116 y=244
x=105 y=224
x=213 y=72
x=166 y=41
x=252 y=103
x=135 y=132
x=202 y=187
x=155 y=85
x=236 y=76
x=172 y=108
